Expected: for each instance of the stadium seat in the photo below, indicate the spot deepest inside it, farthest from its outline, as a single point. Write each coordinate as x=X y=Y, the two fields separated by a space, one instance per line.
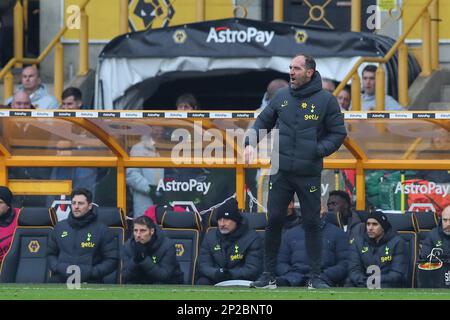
x=410 y=238
x=402 y=222
x=256 y=220
x=114 y=218
x=333 y=218
x=183 y=228
x=26 y=260
x=426 y=221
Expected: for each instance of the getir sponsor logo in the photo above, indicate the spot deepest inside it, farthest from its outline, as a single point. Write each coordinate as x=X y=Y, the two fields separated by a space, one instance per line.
x=225 y=35
x=191 y=185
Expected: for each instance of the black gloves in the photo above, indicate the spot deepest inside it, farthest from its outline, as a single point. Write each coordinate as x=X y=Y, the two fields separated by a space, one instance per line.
x=139 y=252
x=157 y=196
x=222 y=274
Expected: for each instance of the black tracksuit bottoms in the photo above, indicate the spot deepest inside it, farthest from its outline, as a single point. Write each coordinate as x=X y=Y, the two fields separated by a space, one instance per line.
x=282 y=187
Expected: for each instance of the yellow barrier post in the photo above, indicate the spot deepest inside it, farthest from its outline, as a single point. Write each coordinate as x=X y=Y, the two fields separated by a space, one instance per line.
x=25 y=14
x=200 y=10
x=402 y=199
x=356 y=15
x=8 y=89
x=356 y=92
x=360 y=186
x=240 y=186
x=123 y=16
x=379 y=89
x=278 y=12
x=59 y=71
x=403 y=98
x=3 y=173
x=84 y=44
x=121 y=186
x=426 y=44
x=18 y=32
x=434 y=11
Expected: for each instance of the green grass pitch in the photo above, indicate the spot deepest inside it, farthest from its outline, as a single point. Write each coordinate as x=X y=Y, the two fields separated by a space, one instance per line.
x=153 y=292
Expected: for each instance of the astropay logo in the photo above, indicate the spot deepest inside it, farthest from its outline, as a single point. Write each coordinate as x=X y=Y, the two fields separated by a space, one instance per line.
x=225 y=35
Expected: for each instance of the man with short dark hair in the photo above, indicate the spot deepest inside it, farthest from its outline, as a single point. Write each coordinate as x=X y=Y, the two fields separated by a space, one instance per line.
x=380 y=246
x=231 y=252
x=368 y=101
x=72 y=99
x=81 y=240
x=311 y=127
x=339 y=202
x=149 y=257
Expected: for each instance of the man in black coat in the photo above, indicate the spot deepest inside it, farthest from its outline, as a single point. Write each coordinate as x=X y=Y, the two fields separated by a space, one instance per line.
x=339 y=202
x=231 y=252
x=150 y=257
x=380 y=246
x=311 y=127
x=81 y=240
x=439 y=237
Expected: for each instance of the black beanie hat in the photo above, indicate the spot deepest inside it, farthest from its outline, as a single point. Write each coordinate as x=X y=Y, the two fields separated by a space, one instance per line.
x=229 y=210
x=6 y=195
x=381 y=218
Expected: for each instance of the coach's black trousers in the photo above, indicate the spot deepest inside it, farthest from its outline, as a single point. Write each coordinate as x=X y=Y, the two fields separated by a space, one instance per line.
x=282 y=187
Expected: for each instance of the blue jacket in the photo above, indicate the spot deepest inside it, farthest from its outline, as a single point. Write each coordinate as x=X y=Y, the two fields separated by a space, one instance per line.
x=292 y=262
x=389 y=254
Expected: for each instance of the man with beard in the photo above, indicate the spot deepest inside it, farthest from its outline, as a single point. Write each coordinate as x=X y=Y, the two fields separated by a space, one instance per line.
x=83 y=241
x=150 y=257
x=311 y=127
x=8 y=220
x=439 y=237
x=380 y=246
x=231 y=252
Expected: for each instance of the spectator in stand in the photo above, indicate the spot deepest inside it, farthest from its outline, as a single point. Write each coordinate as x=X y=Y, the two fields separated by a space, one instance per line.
x=231 y=252
x=8 y=220
x=72 y=99
x=380 y=246
x=272 y=88
x=36 y=90
x=328 y=85
x=21 y=100
x=82 y=240
x=292 y=264
x=143 y=182
x=339 y=202
x=186 y=102
x=344 y=99
x=368 y=102
x=150 y=257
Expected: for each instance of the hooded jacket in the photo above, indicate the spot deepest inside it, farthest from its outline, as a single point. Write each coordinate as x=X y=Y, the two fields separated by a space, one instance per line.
x=84 y=242
x=389 y=254
x=293 y=262
x=160 y=264
x=240 y=252
x=40 y=99
x=310 y=123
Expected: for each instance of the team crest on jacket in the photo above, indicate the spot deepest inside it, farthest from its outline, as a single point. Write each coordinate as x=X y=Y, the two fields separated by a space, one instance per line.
x=88 y=243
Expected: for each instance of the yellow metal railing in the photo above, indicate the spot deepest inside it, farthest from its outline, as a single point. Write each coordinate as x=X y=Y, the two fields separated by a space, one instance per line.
x=18 y=60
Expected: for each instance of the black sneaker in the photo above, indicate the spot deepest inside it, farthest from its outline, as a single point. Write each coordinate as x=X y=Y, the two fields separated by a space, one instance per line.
x=265 y=281
x=317 y=283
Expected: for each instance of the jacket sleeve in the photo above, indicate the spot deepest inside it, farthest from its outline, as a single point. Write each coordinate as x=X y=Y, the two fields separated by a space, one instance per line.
x=163 y=270
x=109 y=253
x=207 y=267
x=252 y=267
x=137 y=181
x=356 y=275
x=129 y=268
x=55 y=266
x=293 y=272
x=266 y=120
x=338 y=272
x=398 y=269
x=334 y=130
x=426 y=246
